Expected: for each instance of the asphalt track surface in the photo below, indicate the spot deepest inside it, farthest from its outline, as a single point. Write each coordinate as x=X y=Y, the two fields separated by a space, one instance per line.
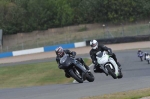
x=136 y=76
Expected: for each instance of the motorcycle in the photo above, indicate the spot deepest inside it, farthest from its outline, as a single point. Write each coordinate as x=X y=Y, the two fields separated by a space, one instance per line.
x=108 y=65
x=75 y=69
x=148 y=58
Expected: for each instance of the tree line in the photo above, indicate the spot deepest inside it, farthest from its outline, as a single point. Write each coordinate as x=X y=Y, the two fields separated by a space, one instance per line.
x=28 y=15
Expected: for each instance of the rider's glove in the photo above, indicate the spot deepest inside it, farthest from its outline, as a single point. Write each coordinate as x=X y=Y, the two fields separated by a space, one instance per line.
x=110 y=53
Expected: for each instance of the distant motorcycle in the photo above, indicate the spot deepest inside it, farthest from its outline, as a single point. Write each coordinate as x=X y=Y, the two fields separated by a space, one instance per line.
x=148 y=58
x=75 y=69
x=108 y=65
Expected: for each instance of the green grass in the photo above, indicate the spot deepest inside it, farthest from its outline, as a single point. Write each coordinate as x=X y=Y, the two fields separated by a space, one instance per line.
x=33 y=75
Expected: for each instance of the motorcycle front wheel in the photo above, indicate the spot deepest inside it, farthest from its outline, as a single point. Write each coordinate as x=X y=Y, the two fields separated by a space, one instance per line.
x=90 y=77
x=141 y=58
x=111 y=72
x=148 y=61
x=120 y=75
x=75 y=76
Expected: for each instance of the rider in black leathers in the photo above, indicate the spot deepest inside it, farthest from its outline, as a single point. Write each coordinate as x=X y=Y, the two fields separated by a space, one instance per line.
x=95 y=49
x=60 y=52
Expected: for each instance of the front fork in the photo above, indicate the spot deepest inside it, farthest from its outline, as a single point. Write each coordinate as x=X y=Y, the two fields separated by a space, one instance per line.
x=82 y=69
x=105 y=71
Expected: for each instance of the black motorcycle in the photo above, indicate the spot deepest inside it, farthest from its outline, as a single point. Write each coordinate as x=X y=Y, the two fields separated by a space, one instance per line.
x=75 y=69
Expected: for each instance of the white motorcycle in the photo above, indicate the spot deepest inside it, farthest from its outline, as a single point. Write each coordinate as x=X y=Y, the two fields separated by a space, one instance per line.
x=108 y=65
x=148 y=58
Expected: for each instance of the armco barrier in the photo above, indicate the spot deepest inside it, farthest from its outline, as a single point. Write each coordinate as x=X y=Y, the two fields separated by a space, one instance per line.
x=80 y=44
x=41 y=49
x=121 y=40
x=52 y=48
x=6 y=54
x=28 y=51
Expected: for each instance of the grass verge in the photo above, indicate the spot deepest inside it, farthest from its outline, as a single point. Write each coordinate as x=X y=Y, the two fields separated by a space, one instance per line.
x=33 y=75
x=133 y=94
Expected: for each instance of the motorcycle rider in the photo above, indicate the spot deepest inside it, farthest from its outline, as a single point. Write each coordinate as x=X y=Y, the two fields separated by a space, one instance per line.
x=60 y=52
x=99 y=47
x=140 y=54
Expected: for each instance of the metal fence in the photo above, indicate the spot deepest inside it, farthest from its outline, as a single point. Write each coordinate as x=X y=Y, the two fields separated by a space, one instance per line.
x=68 y=35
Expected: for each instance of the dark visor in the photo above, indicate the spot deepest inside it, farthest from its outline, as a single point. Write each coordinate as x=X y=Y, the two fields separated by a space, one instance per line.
x=93 y=45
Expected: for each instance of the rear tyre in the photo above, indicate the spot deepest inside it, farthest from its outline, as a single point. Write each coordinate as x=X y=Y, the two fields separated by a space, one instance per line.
x=111 y=72
x=74 y=75
x=90 y=77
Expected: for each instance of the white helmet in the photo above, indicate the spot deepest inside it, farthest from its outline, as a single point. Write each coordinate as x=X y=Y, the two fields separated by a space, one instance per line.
x=94 y=44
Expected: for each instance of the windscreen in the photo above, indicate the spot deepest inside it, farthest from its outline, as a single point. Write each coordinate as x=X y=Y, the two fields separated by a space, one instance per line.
x=63 y=59
x=99 y=54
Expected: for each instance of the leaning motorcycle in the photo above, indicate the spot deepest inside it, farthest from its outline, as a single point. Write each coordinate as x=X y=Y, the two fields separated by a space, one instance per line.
x=148 y=58
x=108 y=65
x=75 y=69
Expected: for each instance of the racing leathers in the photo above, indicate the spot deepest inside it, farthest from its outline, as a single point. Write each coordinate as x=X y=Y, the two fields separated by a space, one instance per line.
x=101 y=48
x=70 y=53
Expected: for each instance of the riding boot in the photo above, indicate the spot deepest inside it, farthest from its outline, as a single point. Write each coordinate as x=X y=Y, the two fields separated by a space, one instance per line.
x=95 y=68
x=66 y=74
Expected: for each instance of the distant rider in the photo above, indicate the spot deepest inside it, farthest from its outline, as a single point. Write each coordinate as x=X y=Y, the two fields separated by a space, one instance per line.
x=99 y=47
x=140 y=54
x=60 y=52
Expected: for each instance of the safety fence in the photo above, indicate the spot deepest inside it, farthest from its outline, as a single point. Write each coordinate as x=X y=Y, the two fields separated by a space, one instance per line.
x=71 y=34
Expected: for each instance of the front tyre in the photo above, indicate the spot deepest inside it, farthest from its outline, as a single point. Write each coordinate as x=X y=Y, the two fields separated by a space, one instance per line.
x=120 y=75
x=148 y=61
x=141 y=58
x=74 y=75
x=110 y=71
x=90 y=77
